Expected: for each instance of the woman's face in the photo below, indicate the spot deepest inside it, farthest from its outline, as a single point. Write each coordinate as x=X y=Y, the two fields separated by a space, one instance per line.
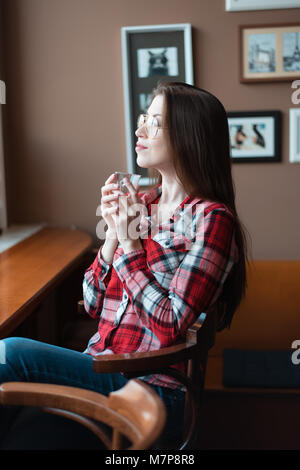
x=155 y=152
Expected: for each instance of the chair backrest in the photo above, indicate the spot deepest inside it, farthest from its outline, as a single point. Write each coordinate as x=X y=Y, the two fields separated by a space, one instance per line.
x=202 y=334
x=134 y=411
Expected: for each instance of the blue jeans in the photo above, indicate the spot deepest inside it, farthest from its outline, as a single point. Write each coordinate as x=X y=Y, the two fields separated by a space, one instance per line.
x=26 y=360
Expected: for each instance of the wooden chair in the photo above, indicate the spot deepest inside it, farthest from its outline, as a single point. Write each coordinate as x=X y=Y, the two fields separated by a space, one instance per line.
x=135 y=411
x=199 y=339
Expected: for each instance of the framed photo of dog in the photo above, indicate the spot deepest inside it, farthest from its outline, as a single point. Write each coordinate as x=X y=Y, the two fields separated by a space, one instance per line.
x=151 y=54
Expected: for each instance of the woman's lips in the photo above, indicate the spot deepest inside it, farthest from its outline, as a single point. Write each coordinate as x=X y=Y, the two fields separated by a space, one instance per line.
x=140 y=147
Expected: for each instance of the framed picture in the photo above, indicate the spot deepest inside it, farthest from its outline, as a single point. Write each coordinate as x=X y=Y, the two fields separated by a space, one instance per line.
x=247 y=5
x=151 y=54
x=269 y=52
x=255 y=136
x=3 y=212
x=295 y=135
x=2 y=92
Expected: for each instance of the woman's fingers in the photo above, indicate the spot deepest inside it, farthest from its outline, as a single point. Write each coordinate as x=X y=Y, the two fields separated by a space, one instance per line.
x=111 y=178
x=111 y=184
x=111 y=197
x=110 y=210
x=136 y=207
x=131 y=189
x=123 y=203
x=108 y=188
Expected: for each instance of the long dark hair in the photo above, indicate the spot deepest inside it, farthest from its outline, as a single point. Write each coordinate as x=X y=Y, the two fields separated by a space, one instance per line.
x=200 y=145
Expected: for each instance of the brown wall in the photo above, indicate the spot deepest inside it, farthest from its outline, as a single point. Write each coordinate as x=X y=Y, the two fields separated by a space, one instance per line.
x=1 y=41
x=65 y=109
x=2 y=71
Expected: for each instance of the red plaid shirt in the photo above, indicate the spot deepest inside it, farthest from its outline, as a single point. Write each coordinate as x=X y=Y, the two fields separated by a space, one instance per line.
x=146 y=299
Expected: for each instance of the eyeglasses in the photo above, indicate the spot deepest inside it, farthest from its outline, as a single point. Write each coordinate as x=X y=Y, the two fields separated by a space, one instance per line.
x=151 y=124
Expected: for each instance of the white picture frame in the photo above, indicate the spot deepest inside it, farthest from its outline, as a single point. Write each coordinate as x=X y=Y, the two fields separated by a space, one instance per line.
x=247 y=5
x=2 y=92
x=294 y=137
x=174 y=41
x=3 y=210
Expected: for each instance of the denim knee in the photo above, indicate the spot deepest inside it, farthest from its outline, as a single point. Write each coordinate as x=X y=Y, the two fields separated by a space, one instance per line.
x=11 y=347
x=11 y=359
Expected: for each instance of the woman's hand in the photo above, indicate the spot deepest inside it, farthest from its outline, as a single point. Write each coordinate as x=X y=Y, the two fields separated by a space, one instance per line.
x=129 y=213
x=109 y=204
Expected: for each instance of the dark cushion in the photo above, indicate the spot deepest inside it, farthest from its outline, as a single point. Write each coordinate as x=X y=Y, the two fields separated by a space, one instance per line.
x=244 y=368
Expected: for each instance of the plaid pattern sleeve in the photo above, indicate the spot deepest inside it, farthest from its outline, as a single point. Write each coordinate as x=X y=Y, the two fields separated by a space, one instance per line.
x=94 y=285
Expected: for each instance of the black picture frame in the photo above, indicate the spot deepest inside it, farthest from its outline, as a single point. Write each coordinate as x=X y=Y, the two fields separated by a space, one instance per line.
x=171 y=45
x=255 y=136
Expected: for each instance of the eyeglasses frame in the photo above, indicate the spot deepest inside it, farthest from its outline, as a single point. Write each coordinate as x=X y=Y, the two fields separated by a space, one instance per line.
x=146 y=117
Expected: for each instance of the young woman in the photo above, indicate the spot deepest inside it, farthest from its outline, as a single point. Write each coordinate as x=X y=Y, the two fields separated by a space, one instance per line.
x=149 y=284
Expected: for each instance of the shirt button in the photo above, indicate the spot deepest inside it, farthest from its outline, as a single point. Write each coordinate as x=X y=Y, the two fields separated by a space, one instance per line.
x=167 y=243
x=125 y=296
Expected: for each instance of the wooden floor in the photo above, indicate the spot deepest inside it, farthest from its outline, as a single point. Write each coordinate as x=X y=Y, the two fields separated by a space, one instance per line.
x=237 y=421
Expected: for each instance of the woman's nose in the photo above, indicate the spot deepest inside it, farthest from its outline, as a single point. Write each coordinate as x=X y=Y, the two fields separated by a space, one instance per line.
x=141 y=131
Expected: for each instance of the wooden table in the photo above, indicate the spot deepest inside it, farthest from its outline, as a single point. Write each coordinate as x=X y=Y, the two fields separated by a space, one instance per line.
x=32 y=269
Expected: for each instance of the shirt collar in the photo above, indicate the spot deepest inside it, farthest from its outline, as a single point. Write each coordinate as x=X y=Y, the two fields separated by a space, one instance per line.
x=155 y=192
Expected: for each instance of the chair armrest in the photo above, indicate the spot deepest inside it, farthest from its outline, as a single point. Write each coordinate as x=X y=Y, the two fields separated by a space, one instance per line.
x=74 y=403
x=194 y=342
x=134 y=410
x=73 y=399
x=143 y=361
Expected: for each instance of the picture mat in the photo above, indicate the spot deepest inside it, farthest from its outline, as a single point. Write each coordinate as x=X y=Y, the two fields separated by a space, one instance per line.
x=279 y=71
x=255 y=150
